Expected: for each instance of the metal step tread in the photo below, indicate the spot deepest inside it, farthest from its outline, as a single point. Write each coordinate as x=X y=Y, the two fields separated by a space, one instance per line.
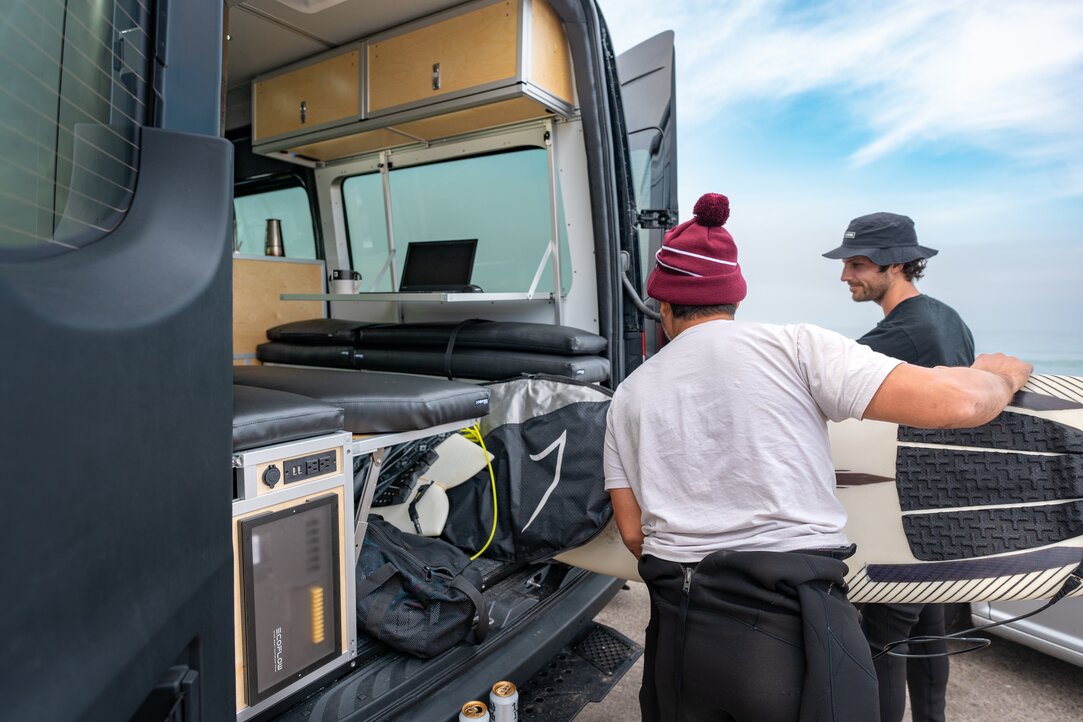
x=581 y=672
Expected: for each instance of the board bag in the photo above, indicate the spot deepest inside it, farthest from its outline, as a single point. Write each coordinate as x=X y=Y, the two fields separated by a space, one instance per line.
x=547 y=437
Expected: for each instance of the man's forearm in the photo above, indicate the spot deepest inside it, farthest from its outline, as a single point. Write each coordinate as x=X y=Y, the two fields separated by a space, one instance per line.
x=942 y=397
x=627 y=514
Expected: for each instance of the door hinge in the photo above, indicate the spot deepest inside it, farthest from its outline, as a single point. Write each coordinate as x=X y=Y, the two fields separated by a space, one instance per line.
x=652 y=218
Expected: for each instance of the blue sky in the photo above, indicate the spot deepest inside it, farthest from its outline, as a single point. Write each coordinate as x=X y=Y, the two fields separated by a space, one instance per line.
x=965 y=115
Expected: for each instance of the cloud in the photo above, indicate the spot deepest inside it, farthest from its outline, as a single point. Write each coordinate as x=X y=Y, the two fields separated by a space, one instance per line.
x=1001 y=75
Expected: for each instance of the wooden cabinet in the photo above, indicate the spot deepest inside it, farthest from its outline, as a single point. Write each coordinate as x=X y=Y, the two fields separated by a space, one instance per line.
x=477 y=66
x=487 y=46
x=310 y=97
x=461 y=53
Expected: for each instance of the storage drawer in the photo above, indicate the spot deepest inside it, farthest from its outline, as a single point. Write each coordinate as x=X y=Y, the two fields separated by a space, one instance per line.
x=313 y=96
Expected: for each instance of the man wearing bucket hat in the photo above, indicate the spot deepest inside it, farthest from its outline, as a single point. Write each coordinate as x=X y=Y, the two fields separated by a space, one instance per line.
x=881 y=260
x=718 y=464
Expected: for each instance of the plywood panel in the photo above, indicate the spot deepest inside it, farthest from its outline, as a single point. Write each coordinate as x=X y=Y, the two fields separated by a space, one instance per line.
x=550 y=61
x=477 y=47
x=330 y=90
x=355 y=144
x=471 y=119
x=257 y=307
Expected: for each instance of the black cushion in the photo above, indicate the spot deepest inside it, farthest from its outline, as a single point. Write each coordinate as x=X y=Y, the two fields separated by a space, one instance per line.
x=465 y=363
x=373 y=402
x=262 y=417
x=503 y=335
x=318 y=331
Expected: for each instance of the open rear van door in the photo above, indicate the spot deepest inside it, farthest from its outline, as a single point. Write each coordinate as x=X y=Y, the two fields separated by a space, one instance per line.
x=115 y=382
x=650 y=110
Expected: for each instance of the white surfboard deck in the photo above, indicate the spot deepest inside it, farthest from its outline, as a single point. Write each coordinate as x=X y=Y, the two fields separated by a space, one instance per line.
x=970 y=539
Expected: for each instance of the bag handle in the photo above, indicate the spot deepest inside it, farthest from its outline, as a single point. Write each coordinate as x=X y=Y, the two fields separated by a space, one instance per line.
x=482 y=629
x=375 y=580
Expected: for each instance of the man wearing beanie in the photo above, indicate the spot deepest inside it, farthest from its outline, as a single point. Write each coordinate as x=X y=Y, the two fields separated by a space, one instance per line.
x=881 y=259
x=718 y=464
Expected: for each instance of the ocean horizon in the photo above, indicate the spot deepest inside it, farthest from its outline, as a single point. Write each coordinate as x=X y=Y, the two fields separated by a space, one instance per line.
x=1051 y=352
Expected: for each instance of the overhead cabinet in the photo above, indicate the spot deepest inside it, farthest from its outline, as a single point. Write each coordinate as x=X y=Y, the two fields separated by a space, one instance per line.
x=478 y=66
x=310 y=97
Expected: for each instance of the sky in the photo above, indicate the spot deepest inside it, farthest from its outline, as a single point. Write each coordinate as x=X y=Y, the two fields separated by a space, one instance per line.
x=966 y=116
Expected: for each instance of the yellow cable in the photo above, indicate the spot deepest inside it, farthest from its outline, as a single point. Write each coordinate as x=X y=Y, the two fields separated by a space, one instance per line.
x=474 y=434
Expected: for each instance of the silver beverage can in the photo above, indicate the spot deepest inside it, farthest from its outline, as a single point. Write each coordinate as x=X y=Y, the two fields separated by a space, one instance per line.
x=474 y=711
x=504 y=699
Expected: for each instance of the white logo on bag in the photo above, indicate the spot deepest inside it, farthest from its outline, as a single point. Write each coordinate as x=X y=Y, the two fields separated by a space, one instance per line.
x=559 y=446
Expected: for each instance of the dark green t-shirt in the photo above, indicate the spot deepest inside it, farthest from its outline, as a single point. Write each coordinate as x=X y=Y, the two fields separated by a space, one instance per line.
x=925 y=332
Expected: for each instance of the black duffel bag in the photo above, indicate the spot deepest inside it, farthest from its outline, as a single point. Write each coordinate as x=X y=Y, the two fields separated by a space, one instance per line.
x=417 y=594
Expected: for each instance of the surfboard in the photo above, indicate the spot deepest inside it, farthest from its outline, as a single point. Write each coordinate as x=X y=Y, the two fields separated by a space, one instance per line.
x=949 y=515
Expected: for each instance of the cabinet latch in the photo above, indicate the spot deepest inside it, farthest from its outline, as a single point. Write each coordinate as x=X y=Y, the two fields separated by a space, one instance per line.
x=436 y=76
x=303 y=111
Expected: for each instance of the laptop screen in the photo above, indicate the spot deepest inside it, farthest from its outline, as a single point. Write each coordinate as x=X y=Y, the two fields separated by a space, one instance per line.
x=438 y=265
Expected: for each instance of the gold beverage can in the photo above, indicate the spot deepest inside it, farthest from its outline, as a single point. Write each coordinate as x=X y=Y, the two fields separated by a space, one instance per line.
x=474 y=711
x=504 y=699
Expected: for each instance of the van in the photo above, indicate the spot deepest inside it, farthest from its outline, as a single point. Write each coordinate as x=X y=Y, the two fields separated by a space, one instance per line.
x=181 y=177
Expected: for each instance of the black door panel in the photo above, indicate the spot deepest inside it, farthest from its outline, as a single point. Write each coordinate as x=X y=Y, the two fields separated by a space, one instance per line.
x=117 y=409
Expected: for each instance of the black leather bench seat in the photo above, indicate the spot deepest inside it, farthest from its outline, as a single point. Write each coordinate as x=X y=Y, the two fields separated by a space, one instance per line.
x=487 y=365
x=262 y=417
x=541 y=338
x=375 y=403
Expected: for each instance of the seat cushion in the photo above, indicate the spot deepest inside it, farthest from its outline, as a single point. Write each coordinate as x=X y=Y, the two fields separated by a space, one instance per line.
x=375 y=403
x=465 y=363
x=262 y=417
x=520 y=336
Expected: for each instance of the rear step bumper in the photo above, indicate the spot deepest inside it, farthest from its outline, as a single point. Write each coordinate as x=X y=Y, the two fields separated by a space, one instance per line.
x=411 y=689
x=584 y=671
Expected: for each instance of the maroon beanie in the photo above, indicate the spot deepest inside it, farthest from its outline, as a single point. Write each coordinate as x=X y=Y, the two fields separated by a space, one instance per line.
x=697 y=263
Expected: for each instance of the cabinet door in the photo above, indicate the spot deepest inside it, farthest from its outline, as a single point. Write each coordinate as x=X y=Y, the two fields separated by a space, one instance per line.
x=456 y=54
x=308 y=97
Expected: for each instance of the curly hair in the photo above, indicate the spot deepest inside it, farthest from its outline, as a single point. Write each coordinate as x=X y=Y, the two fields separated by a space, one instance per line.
x=913 y=270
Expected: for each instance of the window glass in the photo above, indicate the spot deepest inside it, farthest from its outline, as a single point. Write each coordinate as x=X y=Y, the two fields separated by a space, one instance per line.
x=641 y=178
x=502 y=200
x=73 y=98
x=363 y=197
x=288 y=205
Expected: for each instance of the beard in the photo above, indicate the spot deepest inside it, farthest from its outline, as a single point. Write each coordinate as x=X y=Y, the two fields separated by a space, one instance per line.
x=874 y=292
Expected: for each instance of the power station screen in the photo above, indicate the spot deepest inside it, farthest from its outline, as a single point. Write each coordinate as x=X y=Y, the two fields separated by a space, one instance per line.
x=290 y=575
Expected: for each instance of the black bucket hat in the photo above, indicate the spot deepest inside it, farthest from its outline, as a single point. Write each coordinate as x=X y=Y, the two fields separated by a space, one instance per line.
x=883 y=238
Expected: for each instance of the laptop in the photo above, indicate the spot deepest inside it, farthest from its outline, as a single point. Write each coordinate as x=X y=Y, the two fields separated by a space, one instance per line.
x=438 y=266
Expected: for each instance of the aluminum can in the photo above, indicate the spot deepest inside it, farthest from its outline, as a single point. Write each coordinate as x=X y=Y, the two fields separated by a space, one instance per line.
x=474 y=711
x=504 y=699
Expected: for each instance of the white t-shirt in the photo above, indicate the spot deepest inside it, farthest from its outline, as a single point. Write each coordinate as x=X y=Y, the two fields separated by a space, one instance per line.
x=722 y=436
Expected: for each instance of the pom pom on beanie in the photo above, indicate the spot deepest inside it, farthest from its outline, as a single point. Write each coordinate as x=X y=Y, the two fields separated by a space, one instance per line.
x=712 y=209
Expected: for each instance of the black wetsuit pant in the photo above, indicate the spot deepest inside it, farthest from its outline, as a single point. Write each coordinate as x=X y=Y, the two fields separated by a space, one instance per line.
x=725 y=647
x=927 y=678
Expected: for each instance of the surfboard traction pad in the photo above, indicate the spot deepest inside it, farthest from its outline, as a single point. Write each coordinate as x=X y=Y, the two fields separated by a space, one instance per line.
x=939 y=478
x=988 y=553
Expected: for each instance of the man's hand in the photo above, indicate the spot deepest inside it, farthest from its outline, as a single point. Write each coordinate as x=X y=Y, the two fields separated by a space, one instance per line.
x=1014 y=371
